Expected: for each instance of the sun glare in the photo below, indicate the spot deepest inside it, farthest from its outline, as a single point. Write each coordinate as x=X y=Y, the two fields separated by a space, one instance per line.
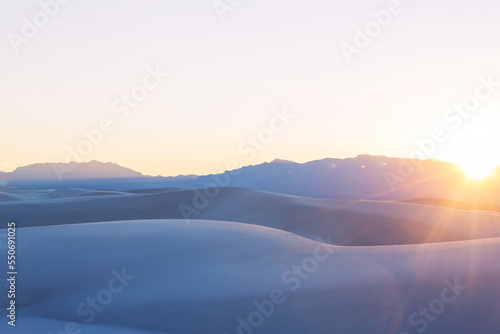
x=477 y=169
x=475 y=151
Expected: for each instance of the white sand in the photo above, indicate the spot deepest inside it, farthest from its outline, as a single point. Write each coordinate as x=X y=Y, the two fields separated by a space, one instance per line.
x=202 y=276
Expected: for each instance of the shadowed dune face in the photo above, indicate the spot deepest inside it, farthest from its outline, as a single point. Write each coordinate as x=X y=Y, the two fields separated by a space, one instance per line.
x=6 y=197
x=350 y=223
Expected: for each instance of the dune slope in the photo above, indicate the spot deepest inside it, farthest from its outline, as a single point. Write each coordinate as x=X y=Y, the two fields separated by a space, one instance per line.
x=350 y=223
x=166 y=276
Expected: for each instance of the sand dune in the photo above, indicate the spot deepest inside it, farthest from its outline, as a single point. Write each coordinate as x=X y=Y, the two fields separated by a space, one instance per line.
x=6 y=197
x=101 y=261
x=350 y=223
x=204 y=276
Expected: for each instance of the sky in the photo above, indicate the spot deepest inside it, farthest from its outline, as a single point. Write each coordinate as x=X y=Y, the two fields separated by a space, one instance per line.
x=248 y=81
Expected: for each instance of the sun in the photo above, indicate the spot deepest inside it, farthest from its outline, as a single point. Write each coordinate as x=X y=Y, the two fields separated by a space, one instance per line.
x=476 y=169
x=475 y=149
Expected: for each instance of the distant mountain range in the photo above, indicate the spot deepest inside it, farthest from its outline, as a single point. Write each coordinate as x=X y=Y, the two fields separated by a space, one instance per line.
x=362 y=177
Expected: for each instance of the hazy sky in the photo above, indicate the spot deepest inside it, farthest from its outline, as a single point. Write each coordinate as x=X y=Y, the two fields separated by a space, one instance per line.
x=227 y=76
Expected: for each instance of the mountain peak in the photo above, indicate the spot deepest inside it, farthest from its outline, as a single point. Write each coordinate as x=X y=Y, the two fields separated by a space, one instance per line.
x=73 y=170
x=282 y=161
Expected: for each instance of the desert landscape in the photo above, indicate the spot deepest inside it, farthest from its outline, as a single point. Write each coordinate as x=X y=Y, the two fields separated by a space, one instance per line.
x=248 y=261
x=249 y=167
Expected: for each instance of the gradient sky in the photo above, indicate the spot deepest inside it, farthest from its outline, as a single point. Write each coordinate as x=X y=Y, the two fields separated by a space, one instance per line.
x=227 y=76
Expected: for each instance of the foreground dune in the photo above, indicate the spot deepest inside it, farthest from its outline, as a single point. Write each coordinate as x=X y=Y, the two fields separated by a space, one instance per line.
x=166 y=276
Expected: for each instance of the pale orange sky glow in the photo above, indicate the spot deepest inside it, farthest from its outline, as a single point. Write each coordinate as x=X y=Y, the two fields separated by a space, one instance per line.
x=227 y=79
